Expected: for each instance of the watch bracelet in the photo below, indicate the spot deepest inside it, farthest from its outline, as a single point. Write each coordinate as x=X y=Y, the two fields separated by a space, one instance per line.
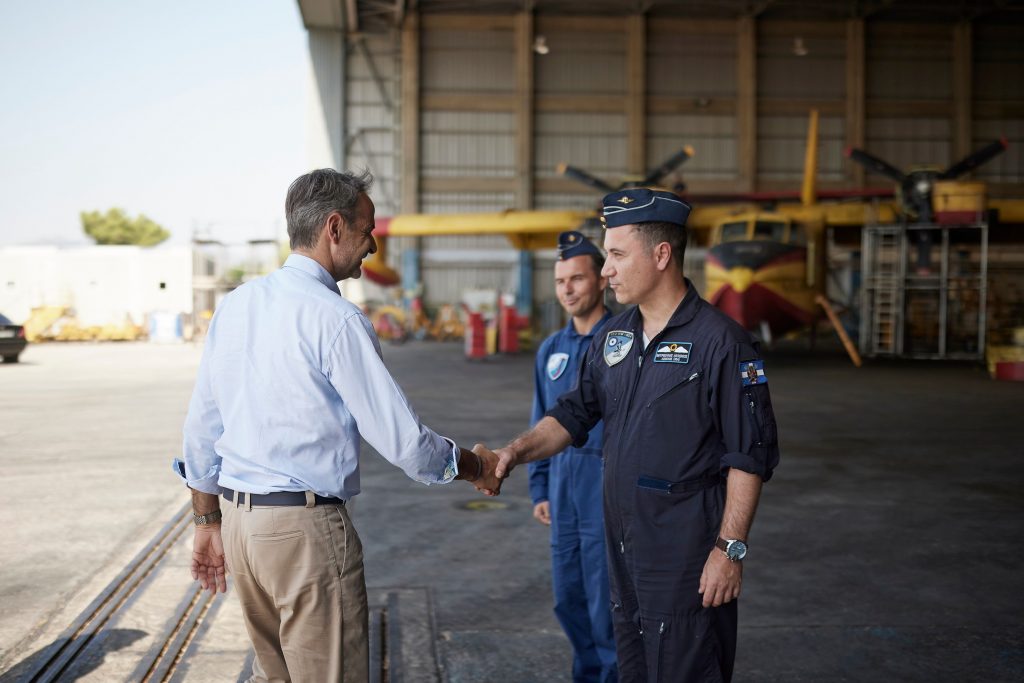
x=209 y=518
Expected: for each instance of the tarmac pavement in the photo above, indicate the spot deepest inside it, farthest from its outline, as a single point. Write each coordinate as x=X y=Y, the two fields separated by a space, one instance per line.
x=885 y=547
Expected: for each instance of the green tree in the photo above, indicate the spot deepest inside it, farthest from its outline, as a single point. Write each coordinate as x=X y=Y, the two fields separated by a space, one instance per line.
x=116 y=227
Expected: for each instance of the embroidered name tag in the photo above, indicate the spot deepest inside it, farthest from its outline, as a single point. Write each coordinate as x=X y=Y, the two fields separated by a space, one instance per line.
x=752 y=372
x=557 y=362
x=672 y=352
x=616 y=346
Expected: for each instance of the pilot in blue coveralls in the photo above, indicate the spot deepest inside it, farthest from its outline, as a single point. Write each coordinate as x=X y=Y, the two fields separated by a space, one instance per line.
x=566 y=490
x=689 y=438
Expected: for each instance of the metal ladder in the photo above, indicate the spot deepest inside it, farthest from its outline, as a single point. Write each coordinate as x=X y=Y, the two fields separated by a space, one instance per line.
x=884 y=249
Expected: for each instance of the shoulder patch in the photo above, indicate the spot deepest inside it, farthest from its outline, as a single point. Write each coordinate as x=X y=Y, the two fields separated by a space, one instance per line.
x=752 y=372
x=617 y=344
x=557 y=363
x=673 y=352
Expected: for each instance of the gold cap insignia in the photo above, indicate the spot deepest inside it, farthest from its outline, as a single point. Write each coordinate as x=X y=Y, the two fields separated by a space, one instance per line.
x=626 y=200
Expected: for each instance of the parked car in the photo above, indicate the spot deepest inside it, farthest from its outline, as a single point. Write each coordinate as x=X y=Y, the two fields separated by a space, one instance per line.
x=12 y=340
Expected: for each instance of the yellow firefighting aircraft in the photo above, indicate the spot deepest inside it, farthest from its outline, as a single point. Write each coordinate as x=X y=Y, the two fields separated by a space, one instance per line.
x=765 y=267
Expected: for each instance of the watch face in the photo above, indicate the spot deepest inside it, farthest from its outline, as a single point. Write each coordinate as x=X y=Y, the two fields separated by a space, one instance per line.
x=736 y=551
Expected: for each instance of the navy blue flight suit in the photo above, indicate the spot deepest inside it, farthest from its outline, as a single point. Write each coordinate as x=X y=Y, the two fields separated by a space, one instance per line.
x=571 y=482
x=678 y=415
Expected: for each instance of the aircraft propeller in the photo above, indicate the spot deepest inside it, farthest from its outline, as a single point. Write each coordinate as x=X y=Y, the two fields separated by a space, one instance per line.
x=916 y=186
x=662 y=170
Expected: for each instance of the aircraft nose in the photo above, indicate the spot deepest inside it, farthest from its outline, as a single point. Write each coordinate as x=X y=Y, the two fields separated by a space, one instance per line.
x=740 y=279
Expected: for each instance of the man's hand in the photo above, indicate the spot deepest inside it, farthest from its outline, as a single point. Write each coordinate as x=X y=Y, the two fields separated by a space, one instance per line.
x=494 y=470
x=721 y=579
x=208 y=559
x=542 y=512
x=506 y=462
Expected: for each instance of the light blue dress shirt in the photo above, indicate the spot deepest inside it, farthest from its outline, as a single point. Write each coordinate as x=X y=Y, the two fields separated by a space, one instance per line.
x=291 y=377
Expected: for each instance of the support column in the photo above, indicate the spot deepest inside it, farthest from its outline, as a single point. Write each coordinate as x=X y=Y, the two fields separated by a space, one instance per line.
x=326 y=109
x=636 y=93
x=855 y=94
x=962 y=63
x=746 y=102
x=410 y=141
x=524 y=290
x=524 y=150
x=524 y=111
x=411 y=276
x=410 y=113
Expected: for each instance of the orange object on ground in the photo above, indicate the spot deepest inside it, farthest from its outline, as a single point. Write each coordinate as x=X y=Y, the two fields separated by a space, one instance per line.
x=1011 y=370
x=476 y=336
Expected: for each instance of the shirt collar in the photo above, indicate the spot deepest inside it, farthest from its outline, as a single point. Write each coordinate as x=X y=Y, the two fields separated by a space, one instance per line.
x=683 y=314
x=687 y=308
x=571 y=329
x=311 y=267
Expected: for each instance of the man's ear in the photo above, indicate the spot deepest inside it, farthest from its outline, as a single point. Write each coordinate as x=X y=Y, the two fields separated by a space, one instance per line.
x=335 y=226
x=663 y=255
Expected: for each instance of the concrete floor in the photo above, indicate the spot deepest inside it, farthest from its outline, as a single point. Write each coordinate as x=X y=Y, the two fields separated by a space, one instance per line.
x=885 y=547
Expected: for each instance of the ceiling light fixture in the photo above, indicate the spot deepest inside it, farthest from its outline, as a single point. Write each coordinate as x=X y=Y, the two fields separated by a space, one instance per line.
x=799 y=49
x=540 y=45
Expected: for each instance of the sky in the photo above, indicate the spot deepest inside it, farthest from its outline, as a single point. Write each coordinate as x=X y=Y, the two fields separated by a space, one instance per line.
x=192 y=113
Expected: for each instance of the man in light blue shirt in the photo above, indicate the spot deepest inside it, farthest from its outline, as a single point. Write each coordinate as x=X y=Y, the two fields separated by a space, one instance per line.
x=291 y=378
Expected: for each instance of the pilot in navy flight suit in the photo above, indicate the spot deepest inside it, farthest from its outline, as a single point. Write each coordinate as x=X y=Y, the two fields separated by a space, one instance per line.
x=689 y=437
x=566 y=489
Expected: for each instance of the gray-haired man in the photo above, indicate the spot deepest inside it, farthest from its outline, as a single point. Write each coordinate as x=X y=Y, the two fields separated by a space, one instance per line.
x=291 y=377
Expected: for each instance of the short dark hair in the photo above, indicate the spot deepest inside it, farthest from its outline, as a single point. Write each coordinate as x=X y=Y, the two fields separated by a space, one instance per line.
x=598 y=262
x=656 y=232
x=315 y=196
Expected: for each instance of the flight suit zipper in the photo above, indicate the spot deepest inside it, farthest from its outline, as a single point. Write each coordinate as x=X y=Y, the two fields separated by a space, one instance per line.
x=754 y=424
x=689 y=380
x=625 y=420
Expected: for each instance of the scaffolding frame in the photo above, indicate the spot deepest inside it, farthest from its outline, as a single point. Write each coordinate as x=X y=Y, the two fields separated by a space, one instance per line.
x=887 y=282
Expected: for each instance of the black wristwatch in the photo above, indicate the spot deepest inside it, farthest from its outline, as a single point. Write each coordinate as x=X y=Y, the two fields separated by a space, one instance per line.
x=734 y=549
x=208 y=518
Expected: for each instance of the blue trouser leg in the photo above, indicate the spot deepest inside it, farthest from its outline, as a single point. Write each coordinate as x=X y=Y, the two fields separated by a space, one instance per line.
x=571 y=609
x=595 y=581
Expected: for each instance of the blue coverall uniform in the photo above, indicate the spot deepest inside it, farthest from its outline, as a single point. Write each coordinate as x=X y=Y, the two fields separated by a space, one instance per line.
x=678 y=415
x=571 y=482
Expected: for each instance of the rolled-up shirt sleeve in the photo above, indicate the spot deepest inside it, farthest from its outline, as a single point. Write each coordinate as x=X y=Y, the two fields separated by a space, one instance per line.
x=743 y=413
x=200 y=464
x=579 y=409
x=381 y=411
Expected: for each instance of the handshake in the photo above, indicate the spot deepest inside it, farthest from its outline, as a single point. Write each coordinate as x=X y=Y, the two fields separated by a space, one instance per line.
x=486 y=469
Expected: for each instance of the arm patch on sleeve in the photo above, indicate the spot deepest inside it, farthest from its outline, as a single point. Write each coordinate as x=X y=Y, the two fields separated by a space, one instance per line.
x=752 y=372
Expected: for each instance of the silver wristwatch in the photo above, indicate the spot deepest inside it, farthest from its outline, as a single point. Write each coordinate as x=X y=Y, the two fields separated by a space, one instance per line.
x=734 y=549
x=208 y=518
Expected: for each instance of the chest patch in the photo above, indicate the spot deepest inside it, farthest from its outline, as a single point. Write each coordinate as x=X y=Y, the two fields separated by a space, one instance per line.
x=672 y=352
x=557 y=363
x=616 y=346
x=752 y=372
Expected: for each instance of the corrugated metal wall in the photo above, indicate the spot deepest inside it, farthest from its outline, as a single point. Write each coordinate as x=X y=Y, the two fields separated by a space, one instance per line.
x=909 y=62
x=372 y=101
x=999 y=78
x=782 y=142
x=466 y=145
x=804 y=63
x=467 y=151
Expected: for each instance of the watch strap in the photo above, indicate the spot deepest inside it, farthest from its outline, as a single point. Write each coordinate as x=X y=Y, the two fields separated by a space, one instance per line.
x=723 y=545
x=209 y=518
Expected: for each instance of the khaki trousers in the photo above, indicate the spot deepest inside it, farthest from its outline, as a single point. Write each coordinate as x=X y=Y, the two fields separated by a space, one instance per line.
x=298 y=572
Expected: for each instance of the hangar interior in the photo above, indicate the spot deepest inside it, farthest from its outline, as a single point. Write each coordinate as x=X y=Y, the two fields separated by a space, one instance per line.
x=463 y=106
